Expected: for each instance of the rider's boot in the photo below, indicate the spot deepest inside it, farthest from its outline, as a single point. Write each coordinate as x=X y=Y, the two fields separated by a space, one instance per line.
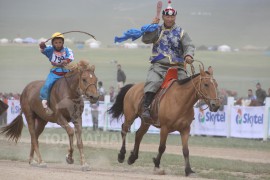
x=48 y=110
x=146 y=109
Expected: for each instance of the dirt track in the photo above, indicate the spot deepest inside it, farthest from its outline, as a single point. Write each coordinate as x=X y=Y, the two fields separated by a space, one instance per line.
x=15 y=169
x=11 y=170
x=224 y=153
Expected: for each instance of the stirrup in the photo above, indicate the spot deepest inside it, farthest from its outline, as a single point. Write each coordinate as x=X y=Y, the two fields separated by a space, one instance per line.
x=48 y=111
x=147 y=118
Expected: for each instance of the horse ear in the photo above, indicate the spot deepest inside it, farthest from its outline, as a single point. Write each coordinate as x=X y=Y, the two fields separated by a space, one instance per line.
x=92 y=68
x=201 y=71
x=71 y=66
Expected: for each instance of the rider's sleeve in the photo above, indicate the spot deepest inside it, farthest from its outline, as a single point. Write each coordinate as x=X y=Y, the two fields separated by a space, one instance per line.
x=69 y=54
x=150 y=37
x=48 y=51
x=188 y=46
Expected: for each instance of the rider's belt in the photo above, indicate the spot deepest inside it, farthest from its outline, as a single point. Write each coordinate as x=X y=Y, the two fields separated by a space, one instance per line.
x=59 y=73
x=174 y=60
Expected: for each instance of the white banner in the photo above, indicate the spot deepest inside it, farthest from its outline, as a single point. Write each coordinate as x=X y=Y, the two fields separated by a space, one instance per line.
x=209 y=123
x=247 y=122
x=14 y=110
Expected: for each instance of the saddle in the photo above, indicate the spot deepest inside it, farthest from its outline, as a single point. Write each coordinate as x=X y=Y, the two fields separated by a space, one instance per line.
x=170 y=77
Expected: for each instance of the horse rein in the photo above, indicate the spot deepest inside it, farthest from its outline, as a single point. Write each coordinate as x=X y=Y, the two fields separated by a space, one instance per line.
x=204 y=96
x=198 y=90
x=84 y=91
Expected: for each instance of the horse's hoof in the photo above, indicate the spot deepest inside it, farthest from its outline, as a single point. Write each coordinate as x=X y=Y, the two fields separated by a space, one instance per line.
x=85 y=167
x=69 y=160
x=33 y=163
x=158 y=171
x=130 y=162
x=193 y=174
x=121 y=158
x=189 y=172
x=42 y=165
x=132 y=158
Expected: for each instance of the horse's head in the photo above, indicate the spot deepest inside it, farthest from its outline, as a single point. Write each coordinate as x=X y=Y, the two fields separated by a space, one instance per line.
x=88 y=81
x=207 y=90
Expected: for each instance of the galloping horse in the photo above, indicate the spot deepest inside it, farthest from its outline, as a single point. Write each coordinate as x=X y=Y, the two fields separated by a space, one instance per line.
x=175 y=112
x=67 y=104
x=3 y=107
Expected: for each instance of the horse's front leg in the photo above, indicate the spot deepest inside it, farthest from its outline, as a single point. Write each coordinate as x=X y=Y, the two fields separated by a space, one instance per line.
x=139 y=135
x=78 y=133
x=70 y=133
x=184 y=137
x=161 y=150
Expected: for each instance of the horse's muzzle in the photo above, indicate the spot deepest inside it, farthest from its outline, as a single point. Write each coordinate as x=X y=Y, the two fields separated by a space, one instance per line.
x=92 y=99
x=214 y=105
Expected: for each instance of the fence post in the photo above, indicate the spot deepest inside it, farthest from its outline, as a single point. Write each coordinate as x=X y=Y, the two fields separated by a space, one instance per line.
x=230 y=103
x=266 y=119
x=106 y=102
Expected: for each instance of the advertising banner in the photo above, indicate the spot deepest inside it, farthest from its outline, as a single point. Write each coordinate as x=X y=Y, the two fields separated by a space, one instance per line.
x=247 y=122
x=209 y=123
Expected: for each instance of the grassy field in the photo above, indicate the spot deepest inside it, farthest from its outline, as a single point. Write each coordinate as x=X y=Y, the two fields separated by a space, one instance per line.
x=239 y=71
x=205 y=167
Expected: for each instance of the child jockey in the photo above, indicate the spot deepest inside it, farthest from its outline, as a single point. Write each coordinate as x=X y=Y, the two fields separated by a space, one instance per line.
x=59 y=56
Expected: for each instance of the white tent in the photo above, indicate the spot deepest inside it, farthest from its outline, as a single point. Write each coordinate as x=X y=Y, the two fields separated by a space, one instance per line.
x=4 y=41
x=94 y=44
x=88 y=41
x=18 y=40
x=224 y=48
x=131 y=45
x=30 y=40
x=68 y=41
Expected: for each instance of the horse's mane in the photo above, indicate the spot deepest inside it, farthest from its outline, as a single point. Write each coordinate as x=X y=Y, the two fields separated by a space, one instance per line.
x=184 y=81
x=81 y=65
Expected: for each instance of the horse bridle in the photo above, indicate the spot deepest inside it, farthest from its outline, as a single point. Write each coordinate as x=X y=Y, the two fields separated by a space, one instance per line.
x=203 y=95
x=90 y=84
x=84 y=92
x=198 y=90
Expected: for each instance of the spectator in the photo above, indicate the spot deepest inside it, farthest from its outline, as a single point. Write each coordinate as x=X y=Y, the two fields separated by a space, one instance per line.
x=210 y=70
x=112 y=94
x=121 y=77
x=223 y=98
x=260 y=94
x=95 y=113
x=250 y=95
x=101 y=91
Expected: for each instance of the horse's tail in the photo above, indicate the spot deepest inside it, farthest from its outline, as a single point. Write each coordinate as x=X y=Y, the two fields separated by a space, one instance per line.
x=117 y=109
x=13 y=131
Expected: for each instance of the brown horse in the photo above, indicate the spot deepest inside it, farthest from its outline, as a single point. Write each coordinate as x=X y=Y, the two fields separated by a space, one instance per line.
x=175 y=112
x=67 y=104
x=3 y=107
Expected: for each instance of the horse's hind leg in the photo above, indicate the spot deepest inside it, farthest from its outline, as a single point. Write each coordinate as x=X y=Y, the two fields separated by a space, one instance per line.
x=161 y=149
x=138 y=138
x=184 y=137
x=39 y=127
x=121 y=155
x=34 y=141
